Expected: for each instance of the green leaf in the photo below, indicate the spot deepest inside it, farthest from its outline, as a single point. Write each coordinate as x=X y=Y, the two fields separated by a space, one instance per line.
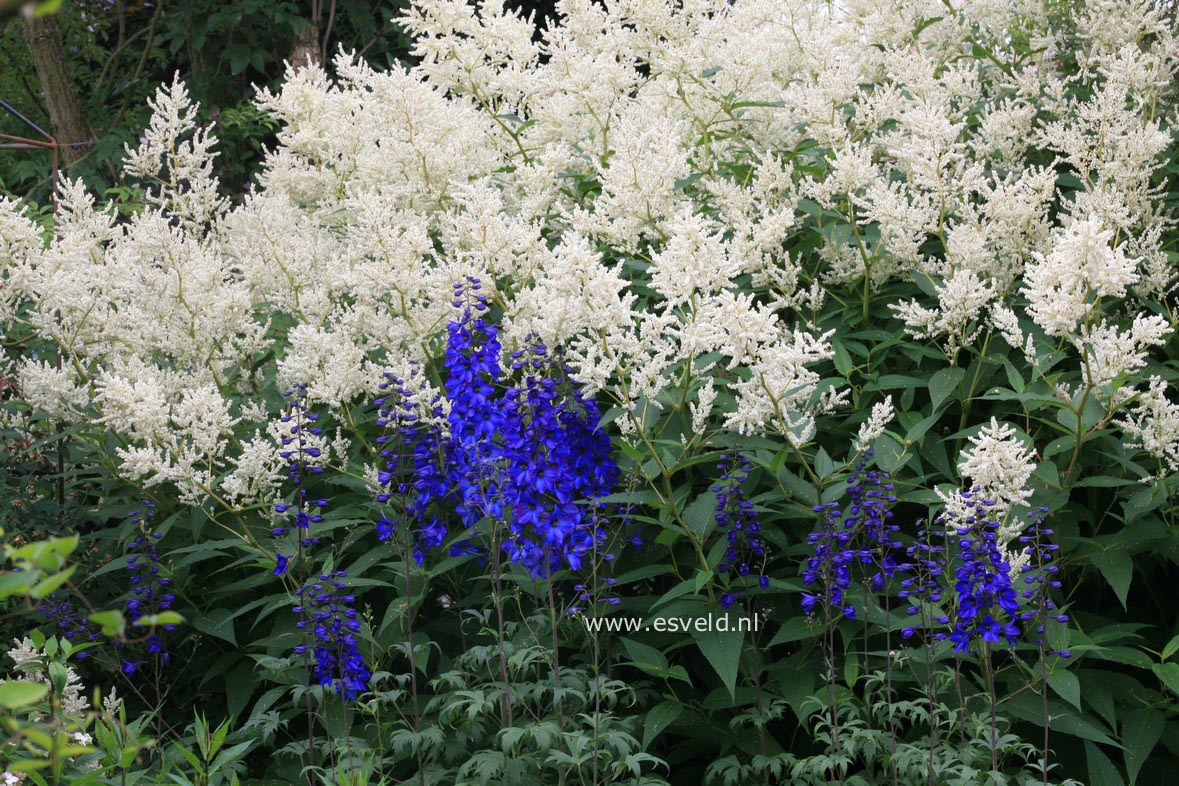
x=217 y=623
x=1171 y=648
x=797 y=487
x=17 y=693
x=27 y=765
x=111 y=622
x=163 y=618
x=1103 y=481
x=659 y=718
x=890 y=456
x=700 y=516
x=190 y=756
x=1066 y=685
x=919 y=429
x=943 y=383
x=644 y=655
x=1079 y=726
x=1141 y=731
x=824 y=465
x=843 y=361
x=851 y=672
x=703 y=577
x=1168 y=673
x=16 y=583
x=239 y=57
x=230 y=754
x=50 y=585
x=723 y=651
x=894 y=381
x=58 y=676
x=796 y=628
x=925 y=283
x=49 y=555
x=1014 y=378
x=685 y=587
x=1118 y=570
x=240 y=684
x=47 y=7
x=1102 y=771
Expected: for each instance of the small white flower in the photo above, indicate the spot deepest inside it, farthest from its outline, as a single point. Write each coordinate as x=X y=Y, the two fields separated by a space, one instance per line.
x=873 y=427
x=1153 y=426
x=111 y=703
x=998 y=465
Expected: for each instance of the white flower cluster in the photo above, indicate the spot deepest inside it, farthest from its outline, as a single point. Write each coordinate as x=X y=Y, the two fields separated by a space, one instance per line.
x=997 y=467
x=882 y=414
x=1064 y=284
x=1153 y=425
x=961 y=300
x=29 y=662
x=625 y=183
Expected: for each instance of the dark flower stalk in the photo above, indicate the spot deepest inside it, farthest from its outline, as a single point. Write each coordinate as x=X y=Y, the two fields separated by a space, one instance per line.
x=413 y=472
x=70 y=625
x=745 y=552
x=473 y=369
x=302 y=457
x=475 y=469
x=555 y=457
x=991 y=603
x=328 y=610
x=150 y=595
x=413 y=477
x=1039 y=576
x=522 y=458
x=855 y=536
x=987 y=605
x=150 y=589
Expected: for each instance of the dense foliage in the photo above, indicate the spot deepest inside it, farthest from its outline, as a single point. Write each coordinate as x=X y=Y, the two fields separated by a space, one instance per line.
x=694 y=392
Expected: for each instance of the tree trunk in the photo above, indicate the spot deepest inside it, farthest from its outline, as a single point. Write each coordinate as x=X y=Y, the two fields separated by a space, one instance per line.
x=68 y=120
x=306 y=50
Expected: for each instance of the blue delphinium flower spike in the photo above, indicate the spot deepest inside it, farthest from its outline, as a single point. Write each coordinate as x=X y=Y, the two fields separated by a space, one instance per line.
x=745 y=550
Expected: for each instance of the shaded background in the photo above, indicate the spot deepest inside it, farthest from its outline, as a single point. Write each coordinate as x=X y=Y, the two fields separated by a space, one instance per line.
x=113 y=54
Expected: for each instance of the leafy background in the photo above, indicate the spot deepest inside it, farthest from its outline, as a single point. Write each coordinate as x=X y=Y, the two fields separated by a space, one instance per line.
x=707 y=705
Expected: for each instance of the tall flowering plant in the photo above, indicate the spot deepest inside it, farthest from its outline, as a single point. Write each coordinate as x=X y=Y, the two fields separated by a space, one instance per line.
x=940 y=230
x=527 y=455
x=150 y=589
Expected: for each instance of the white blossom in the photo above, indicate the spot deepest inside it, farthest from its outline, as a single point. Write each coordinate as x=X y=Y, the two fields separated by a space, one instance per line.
x=881 y=415
x=1153 y=426
x=998 y=465
x=111 y=702
x=629 y=183
x=1082 y=266
x=956 y=320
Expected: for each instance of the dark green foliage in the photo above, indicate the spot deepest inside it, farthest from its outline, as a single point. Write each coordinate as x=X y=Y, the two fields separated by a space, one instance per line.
x=636 y=707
